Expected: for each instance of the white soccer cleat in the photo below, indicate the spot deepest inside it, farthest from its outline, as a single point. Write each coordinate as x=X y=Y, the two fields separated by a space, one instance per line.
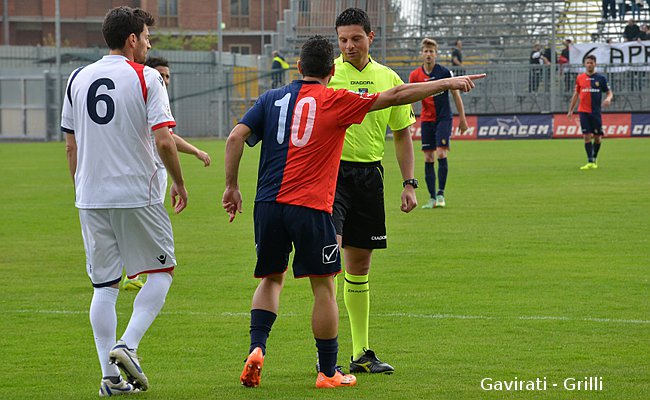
x=127 y=361
x=430 y=204
x=107 y=388
x=440 y=201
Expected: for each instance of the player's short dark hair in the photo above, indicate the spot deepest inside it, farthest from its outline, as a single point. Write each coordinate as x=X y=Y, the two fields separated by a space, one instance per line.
x=317 y=57
x=121 y=22
x=590 y=57
x=154 y=62
x=353 y=16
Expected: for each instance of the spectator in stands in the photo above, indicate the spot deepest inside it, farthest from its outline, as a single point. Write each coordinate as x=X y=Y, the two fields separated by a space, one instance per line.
x=457 y=57
x=648 y=7
x=535 y=74
x=631 y=31
x=564 y=66
x=546 y=61
x=622 y=8
x=564 y=55
x=640 y=77
x=636 y=8
x=645 y=32
x=279 y=66
x=609 y=8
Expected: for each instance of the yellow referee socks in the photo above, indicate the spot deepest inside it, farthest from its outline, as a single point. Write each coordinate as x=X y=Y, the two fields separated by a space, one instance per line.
x=357 y=301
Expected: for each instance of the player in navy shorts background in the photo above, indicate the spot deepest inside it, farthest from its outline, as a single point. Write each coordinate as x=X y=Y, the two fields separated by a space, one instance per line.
x=436 y=122
x=590 y=86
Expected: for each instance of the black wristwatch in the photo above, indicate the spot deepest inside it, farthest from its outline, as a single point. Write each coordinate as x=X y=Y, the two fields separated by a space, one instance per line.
x=412 y=182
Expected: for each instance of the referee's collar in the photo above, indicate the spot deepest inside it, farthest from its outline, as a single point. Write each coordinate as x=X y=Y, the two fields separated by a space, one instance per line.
x=360 y=70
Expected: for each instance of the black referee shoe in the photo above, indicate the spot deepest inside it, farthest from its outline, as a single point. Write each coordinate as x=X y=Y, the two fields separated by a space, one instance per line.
x=369 y=363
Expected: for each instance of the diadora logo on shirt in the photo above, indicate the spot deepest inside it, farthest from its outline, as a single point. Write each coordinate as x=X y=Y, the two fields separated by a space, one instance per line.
x=330 y=253
x=362 y=83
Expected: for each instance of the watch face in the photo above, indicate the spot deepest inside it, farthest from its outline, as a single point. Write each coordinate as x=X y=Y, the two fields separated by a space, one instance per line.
x=412 y=182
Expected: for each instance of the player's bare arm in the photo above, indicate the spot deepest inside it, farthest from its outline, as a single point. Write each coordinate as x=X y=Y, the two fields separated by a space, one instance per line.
x=462 y=119
x=187 y=148
x=169 y=156
x=608 y=98
x=573 y=104
x=71 y=153
x=409 y=93
x=406 y=161
x=231 y=200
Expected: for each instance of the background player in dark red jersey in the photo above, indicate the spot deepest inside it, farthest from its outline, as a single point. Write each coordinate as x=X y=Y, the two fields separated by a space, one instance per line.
x=436 y=122
x=302 y=127
x=589 y=89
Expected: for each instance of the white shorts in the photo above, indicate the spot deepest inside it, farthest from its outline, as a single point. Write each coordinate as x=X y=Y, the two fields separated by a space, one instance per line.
x=137 y=239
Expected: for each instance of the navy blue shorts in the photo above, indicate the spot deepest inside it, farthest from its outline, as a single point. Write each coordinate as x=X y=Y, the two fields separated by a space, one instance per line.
x=436 y=134
x=591 y=123
x=279 y=227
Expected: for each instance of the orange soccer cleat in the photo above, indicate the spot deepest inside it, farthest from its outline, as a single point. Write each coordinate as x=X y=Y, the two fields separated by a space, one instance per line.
x=252 y=373
x=338 y=380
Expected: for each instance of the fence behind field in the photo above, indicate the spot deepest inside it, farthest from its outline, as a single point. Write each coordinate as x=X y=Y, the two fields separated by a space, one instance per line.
x=209 y=97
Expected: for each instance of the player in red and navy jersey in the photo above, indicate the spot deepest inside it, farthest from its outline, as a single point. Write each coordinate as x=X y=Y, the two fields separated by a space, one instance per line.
x=302 y=127
x=436 y=122
x=589 y=89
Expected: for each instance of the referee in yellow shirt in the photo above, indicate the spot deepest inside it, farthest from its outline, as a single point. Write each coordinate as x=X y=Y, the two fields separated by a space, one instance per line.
x=358 y=214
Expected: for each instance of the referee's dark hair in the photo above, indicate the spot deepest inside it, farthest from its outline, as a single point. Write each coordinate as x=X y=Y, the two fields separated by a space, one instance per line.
x=154 y=62
x=353 y=16
x=317 y=57
x=121 y=22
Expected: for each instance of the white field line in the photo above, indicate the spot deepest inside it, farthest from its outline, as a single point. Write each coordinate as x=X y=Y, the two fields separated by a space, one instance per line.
x=380 y=315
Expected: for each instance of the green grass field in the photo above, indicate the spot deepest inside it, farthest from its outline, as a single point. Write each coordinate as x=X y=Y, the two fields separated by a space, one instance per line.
x=535 y=269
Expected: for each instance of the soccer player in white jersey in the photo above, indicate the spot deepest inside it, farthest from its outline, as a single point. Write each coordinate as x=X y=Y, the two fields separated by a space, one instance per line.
x=116 y=116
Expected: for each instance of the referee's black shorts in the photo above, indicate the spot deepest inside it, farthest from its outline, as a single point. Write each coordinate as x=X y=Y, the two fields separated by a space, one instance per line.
x=358 y=213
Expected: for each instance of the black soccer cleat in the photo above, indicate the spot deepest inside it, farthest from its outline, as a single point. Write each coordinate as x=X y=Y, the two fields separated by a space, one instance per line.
x=369 y=363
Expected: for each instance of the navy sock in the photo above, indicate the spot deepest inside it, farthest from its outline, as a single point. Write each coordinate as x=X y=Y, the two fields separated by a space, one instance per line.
x=596 y=150
x=261 y=323
x=589 y=148
x=328 y=350
x=430 y=178
x=442 y=174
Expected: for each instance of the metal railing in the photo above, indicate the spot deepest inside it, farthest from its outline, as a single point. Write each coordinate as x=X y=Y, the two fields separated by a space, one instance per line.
x=206 y=102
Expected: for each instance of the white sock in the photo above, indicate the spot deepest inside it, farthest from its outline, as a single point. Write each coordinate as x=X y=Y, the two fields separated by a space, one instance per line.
x=103 y=320
x=146 y=307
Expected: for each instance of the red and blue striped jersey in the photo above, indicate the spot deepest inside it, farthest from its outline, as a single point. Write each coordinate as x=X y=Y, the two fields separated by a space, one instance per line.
x=436 y=107
x=302 y=128
x=591 y=89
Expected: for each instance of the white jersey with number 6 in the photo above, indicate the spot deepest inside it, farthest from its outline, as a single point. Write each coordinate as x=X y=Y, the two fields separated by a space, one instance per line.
x=112 y=107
